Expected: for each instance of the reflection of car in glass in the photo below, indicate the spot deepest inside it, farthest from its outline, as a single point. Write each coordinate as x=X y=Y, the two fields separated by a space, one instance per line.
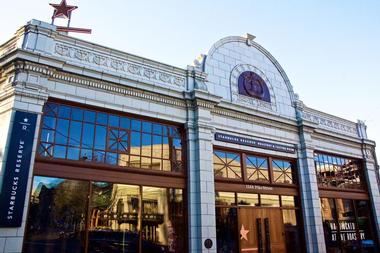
x=120 y=241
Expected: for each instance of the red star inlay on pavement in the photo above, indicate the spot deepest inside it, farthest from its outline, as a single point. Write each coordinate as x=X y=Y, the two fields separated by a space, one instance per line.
x=62 y=10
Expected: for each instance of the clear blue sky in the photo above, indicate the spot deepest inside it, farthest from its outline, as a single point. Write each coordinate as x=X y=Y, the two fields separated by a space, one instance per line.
x=330 y=49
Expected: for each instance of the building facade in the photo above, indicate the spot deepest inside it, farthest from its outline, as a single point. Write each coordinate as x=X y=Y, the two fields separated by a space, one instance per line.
x=104 y=151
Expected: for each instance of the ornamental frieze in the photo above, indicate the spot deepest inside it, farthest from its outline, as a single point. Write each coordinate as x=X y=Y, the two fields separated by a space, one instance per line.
x=330 y=124
x=57 y=75
x=134 y=69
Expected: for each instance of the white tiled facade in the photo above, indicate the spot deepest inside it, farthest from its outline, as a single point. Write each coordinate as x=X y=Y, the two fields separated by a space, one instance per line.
x=38 y=63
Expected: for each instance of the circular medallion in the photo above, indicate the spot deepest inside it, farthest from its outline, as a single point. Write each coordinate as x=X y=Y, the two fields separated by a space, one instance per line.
x=253 y=84
x=208 y=243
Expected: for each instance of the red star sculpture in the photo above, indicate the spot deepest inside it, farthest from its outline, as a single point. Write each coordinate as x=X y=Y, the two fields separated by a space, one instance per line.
x=62 y=10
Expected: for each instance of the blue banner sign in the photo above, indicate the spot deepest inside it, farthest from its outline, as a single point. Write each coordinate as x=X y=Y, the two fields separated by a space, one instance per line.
x=16 y=169
x=255 y=143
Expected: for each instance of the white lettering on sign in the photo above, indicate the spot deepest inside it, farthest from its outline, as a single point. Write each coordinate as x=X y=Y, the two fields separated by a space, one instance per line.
x=347 y=231
x=17 y=165
x=17 y=169
x=259 y=187
x=288 y=148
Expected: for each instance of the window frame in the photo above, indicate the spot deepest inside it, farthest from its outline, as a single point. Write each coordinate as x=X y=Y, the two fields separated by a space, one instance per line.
x=336 y=220
x=339 y=159
x=103 y=164
x=90 y=193
x=269 y=158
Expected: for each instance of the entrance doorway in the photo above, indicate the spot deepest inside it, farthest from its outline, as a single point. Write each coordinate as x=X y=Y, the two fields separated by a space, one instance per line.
x=257 y=223
x=261 y=230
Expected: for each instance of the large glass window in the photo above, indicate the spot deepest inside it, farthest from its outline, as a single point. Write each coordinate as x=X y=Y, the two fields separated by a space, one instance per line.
x=80 y=216
x=363 y=219
x=227 y=230
x=347 y=225
x=162 y=213
x=57 y=216
x=252 y=168
x=227 y=164
x=257 y=168
x=113 y=221
x=249 y=199
x=269 y=200
x=292 y=230
x=73 y=133
x=225 y=198
x=335 y=171
x=282 y=172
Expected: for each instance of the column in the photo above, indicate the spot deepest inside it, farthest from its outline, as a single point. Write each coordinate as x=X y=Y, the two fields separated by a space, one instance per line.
x=310 y=201
x=371 y=175
x=25 y=97
x=201 y=191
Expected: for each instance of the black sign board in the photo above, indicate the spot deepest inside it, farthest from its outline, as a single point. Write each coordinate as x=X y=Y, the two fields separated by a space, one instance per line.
x=16 y=169
x=255 y=143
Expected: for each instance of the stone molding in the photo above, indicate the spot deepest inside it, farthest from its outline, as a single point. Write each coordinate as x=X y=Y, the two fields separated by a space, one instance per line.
x=18 y=91
x=12 y=44
x=134 y=69
x=224 y=112
x=330 y=122
x=368 y=153
x=56 y=75
x=246 y=100
x=204 y=102
x=201 y=99
x=8 y=47
x=198 y=76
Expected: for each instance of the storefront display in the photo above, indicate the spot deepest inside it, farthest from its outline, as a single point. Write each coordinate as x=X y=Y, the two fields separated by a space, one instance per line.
x=78 y=216
x=347 y=225
x=347 y=219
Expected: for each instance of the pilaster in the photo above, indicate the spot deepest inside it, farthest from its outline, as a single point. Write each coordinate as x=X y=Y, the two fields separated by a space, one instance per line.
x=17 y=95
x=310 y=201
x=371 y=175
x=201 y=190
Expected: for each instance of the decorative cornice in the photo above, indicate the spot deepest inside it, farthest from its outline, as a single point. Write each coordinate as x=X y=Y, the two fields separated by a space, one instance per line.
x=9 y=46
x=23 y=89
x=134 y=69
x=329 y=122
x=336 y=139
x=198 y=76
x=203 y=104
x=369 y=154
x=57 y=75
x=201 y=99
x=368 y=150
x=253 y=119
